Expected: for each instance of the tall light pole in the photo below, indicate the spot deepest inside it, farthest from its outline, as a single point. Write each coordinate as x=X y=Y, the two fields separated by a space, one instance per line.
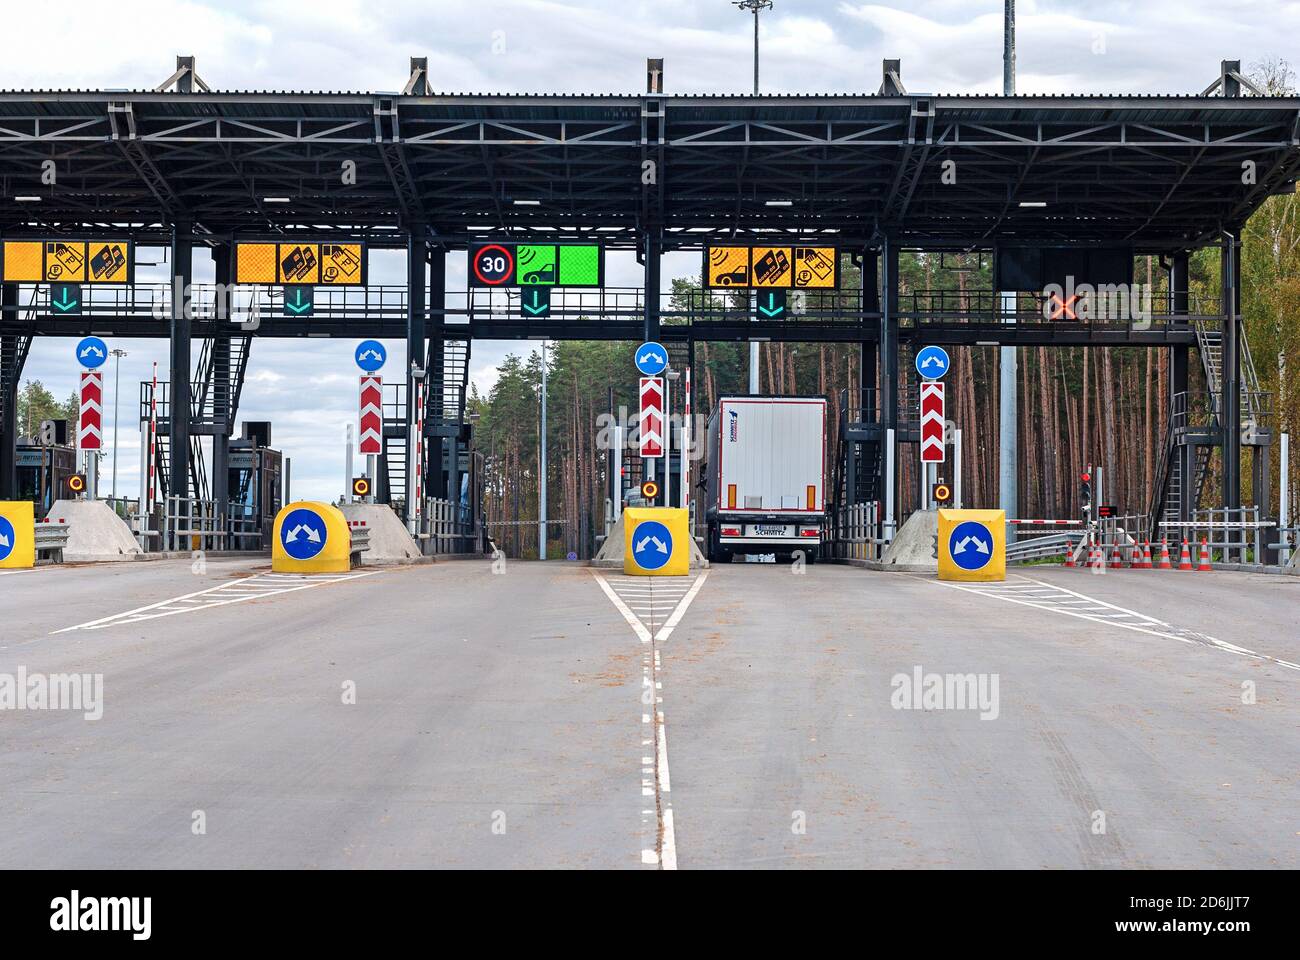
x=756 y=7
x=117 y=392
x=541 y=469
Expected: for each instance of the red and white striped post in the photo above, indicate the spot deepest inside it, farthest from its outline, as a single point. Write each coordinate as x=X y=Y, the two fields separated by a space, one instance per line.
x=153 y=438
x=419 y=453
x=90 y=426
x=686 y=440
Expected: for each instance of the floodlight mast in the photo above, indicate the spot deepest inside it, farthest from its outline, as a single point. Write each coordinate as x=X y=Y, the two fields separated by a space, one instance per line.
x=756 y=7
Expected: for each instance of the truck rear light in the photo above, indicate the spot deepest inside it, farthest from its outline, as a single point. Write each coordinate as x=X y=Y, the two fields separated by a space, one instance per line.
x=812 y=497
x=731 y=531
x=731 y=496
x=809 y=533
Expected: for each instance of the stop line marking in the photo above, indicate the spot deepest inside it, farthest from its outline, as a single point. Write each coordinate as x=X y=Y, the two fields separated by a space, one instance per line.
x=224 y=594
x=632 y=596
x=1042 y=595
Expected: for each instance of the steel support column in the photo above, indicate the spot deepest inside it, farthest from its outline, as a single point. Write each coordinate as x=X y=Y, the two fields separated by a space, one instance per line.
x=651 y=251
x=1230 y=375
x=1179 y=367
x=9 y=374
x=178 y=471
x=867 y=351
x=888 y=364
x=417 y=257
x=222 y=388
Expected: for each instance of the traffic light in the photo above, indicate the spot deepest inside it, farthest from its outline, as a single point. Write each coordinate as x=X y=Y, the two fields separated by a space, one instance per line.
x=360 y=486
x=1085 y=491
x=74 y=485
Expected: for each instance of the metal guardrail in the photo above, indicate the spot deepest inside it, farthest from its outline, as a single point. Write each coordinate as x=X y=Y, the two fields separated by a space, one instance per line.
x=360 y=541
x=1038 y=548
x=51 y=539
x=854 y=533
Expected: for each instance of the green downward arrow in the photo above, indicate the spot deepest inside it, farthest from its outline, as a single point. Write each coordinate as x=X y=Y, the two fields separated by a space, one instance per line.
x=771 y=310
x=535 y=308
x=298 y=306
x=65 y=304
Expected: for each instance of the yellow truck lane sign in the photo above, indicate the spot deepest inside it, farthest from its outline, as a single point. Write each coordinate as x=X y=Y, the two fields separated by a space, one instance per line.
x=17 y=537
x=656 y=542
x=311 y=538
x=972 y=545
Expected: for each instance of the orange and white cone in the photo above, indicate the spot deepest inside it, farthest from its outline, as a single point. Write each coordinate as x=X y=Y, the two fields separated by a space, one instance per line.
x=1069 y=554
x=1116 y=558
x=1165 y=563
x=1185 y=561
x=1146 y=555
x=1204 y=565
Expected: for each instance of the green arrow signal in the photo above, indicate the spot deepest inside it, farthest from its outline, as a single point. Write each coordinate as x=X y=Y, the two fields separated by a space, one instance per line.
x=67 y=302
x=298 y=306
x=535 y=307
x=772 y=310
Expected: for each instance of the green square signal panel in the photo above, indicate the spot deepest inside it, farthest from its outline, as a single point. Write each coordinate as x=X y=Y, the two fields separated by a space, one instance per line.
x=536 y=265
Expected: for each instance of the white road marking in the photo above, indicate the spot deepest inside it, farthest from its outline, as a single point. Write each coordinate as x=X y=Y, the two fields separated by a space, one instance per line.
x=221 y=595
x=629 y=597
x=1073 y=604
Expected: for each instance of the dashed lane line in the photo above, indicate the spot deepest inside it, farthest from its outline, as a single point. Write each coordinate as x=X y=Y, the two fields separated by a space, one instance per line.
x=632 y=597
x=224 y=594
x=1042 y=595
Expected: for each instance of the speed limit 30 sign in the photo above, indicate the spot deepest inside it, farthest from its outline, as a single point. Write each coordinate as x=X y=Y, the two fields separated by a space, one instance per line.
x=491 y=265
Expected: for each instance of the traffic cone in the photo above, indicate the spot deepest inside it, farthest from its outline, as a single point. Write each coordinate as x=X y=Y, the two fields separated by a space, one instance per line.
x=1069 y=554
x=1164 y=555
x=1205 y=557
x=1185 y=561
x=1116 y=558
x=1146 y=555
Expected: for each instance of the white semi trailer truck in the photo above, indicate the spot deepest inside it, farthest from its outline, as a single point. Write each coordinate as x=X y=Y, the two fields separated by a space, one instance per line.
x=765 y=477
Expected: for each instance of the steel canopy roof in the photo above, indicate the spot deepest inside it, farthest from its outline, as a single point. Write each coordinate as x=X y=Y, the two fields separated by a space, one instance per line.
x=1154 y=172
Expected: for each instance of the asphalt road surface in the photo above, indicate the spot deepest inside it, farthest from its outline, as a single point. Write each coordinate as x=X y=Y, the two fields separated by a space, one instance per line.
x=553 y=716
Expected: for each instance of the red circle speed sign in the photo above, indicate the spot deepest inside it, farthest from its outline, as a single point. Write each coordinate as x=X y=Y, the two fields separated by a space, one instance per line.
x=494 y=265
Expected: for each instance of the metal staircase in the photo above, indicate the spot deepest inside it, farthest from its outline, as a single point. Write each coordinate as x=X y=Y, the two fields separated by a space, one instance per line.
x=1171 y=487
x=448 y=385
x=13 y=358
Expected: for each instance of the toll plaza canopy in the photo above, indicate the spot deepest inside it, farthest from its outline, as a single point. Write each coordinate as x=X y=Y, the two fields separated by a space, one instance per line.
x=1155 y=173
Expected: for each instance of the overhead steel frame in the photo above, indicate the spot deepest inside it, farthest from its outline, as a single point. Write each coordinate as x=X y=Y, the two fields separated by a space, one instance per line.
x=1158 y=173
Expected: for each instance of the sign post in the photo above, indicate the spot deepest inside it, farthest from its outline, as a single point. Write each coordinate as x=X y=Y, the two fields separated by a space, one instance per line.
x=652 y=417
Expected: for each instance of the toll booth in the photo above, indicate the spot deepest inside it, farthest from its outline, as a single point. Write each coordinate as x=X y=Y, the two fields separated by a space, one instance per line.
x=256 y=487
x=42 y=468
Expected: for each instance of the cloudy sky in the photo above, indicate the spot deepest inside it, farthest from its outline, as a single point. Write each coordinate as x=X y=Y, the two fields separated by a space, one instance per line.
x=947 y=46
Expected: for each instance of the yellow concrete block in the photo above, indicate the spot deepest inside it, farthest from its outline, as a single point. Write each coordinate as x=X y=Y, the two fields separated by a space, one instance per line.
x=311 y=538
x=17 y=548
x=972 y=545
x=656 y=542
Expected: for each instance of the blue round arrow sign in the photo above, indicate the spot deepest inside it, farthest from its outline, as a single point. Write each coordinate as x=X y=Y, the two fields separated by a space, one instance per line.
x=652 y=545
x=8 y=538
x=932 y=363
x=303 y=533
x=651 y=358
x=971 y=545
x=92 y=352
x=370 y=355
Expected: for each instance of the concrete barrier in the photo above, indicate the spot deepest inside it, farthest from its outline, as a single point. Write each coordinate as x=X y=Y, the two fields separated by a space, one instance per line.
x=95 y=533
x=390 y=542
x=972 y=545
x=311 y=538
x=17 y=540
x=657 y=542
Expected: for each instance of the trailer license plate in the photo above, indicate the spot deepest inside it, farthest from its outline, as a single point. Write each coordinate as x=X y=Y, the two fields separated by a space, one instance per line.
x=772 y=530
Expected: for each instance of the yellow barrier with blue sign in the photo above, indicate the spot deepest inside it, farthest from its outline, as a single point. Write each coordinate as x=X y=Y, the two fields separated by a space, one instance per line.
x=17 y=534
x=656 y=542
x=311 y=538
x=972 y=545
